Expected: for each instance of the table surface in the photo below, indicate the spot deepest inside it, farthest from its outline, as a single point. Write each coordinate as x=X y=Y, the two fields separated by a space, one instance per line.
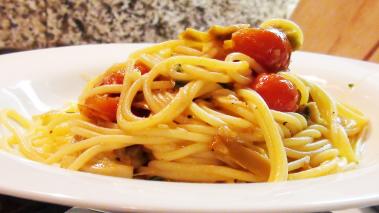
x=346 y=28
x=16 y=205
x=10 y=204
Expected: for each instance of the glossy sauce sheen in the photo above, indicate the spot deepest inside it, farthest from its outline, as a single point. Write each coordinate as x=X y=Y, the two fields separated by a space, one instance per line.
x=270 y=48
x=279 y=93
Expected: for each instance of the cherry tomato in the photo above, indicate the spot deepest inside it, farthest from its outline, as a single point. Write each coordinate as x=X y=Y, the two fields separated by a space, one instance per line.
x=114 y=78
x=118 y=76
x=104 y=107
x=142 y=67
x=100 y=108
x=279 y=93
x=270 y=48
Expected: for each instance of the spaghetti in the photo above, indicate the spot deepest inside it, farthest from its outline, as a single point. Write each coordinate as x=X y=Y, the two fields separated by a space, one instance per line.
x=202 y=108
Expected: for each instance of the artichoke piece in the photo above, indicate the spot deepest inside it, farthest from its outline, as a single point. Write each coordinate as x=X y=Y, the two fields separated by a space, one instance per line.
x=194 y=35
x=225 y=32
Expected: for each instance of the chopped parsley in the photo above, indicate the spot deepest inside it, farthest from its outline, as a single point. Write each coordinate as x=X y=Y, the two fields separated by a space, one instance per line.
x=351 y=85
x=178 y=68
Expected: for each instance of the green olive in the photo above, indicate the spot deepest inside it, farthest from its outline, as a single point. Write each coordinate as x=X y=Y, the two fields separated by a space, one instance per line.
x=291 y=29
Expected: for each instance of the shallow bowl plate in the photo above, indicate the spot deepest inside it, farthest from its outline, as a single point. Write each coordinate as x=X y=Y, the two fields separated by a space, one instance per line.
x=37 y=81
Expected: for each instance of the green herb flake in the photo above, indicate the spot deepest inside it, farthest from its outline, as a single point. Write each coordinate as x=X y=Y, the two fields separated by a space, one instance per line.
x=178 y=68
x=351 y=85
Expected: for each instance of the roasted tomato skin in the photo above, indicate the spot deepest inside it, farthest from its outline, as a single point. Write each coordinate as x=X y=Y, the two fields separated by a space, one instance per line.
x=279 y=93
x=100 y=108
x=118 y=76
x=114 y=78
x=142 y=67
x=104 y=107
x=269 y=47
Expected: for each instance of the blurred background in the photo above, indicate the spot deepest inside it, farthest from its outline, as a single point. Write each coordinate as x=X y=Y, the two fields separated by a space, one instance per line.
x=338 y=27
x=30 y=24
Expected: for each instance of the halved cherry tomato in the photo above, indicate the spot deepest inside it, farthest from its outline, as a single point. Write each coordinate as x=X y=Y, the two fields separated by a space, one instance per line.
x=118 y=76
x=142 y=67
x=104 y=107
x=270 y=48
x=279 y=93
x=100 y=107
x=114 y=78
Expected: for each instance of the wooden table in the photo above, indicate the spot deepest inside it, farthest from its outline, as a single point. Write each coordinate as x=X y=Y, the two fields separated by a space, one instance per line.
x=348 y=28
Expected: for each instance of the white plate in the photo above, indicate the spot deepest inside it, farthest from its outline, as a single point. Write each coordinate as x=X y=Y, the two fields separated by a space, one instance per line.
x=36 y=81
